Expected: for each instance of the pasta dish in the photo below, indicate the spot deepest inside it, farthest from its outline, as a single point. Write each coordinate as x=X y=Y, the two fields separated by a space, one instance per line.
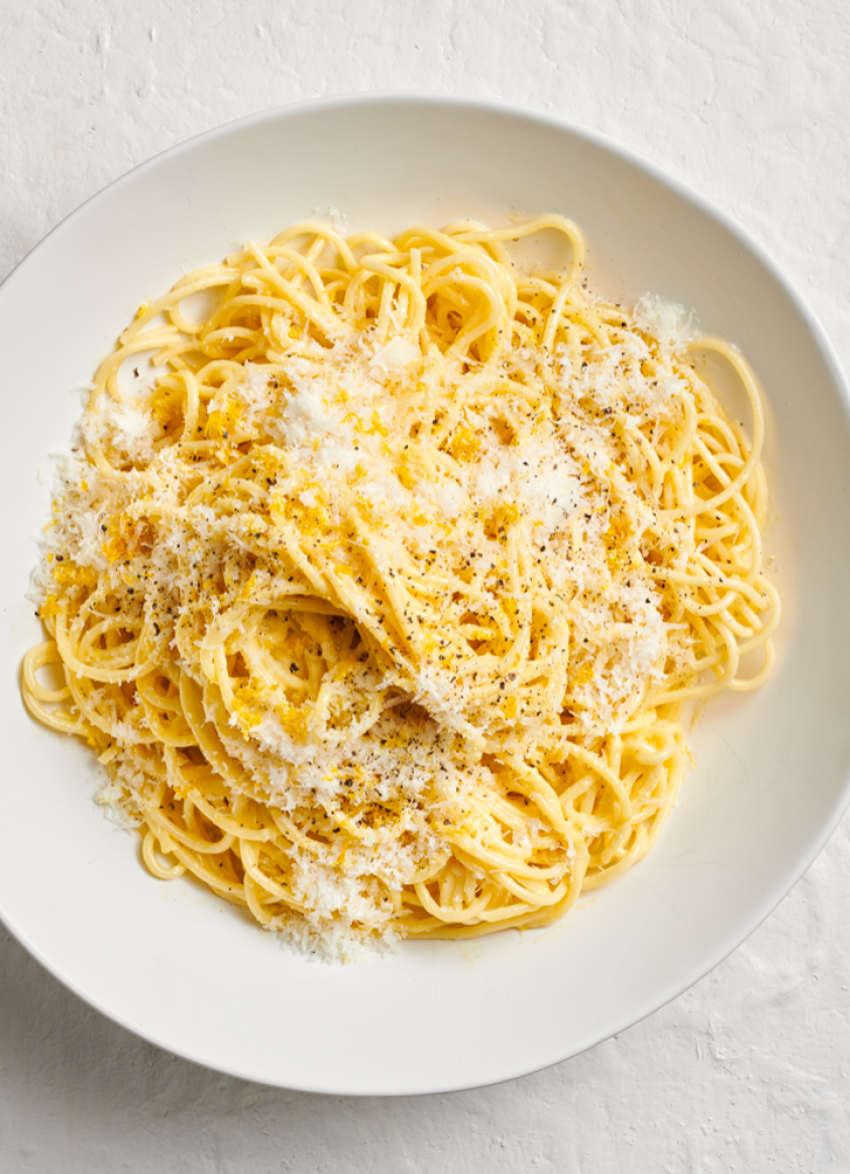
x=380 y=585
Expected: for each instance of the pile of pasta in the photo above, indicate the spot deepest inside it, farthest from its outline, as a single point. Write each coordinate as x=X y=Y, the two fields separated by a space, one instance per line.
x=382 y=571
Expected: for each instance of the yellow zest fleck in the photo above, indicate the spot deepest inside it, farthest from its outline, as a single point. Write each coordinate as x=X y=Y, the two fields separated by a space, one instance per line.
x=167 y=408
x=378 y=426
x=405 y=477
x=116 y=546
x=506 y=513
x=614 y=536
x=70 y=575
x=294 y=721
x=49 y=608
x=246 y=705
x=464 y=445
x=224 y=420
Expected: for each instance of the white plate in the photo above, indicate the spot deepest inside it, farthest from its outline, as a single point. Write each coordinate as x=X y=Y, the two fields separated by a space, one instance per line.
x=169 y=961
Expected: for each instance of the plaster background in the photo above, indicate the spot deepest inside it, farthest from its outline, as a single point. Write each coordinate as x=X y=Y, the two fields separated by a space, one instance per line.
x=749 y=1070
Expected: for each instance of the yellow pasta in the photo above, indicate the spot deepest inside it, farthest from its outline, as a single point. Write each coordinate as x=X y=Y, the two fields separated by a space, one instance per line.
x=381 y=599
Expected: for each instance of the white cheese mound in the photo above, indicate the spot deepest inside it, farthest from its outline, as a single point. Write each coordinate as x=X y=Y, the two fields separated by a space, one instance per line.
x=672 y=325
x=396 y=355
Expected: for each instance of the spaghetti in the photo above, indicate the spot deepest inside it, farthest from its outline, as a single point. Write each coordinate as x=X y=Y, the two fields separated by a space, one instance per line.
x=382 y=602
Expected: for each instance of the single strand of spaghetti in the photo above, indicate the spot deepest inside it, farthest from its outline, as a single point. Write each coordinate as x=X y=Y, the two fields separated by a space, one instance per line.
x=535 y=897
x=155 y=867
x=402 y=304
x=271 y=672
x=457 y=887
x=529 y=228
x=114 y=654
x=514 y=916
x=192 y=407
x=415 y=267
x=649 y=792
x=317 y=228
x=56 y=719
x=190 y=329
x=287 y=535
x=385 y=319
x=621 y=842
x=539 y=895
x=742 y=685
x=38 y=657
x=89 y=701
x=217 y=634
x=469 y=913
x=216 y=278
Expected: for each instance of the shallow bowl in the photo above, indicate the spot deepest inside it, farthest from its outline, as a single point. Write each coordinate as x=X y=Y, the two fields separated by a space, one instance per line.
x=169 y=961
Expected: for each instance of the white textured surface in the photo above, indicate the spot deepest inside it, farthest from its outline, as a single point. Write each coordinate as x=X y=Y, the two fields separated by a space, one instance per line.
x=750 y=1070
